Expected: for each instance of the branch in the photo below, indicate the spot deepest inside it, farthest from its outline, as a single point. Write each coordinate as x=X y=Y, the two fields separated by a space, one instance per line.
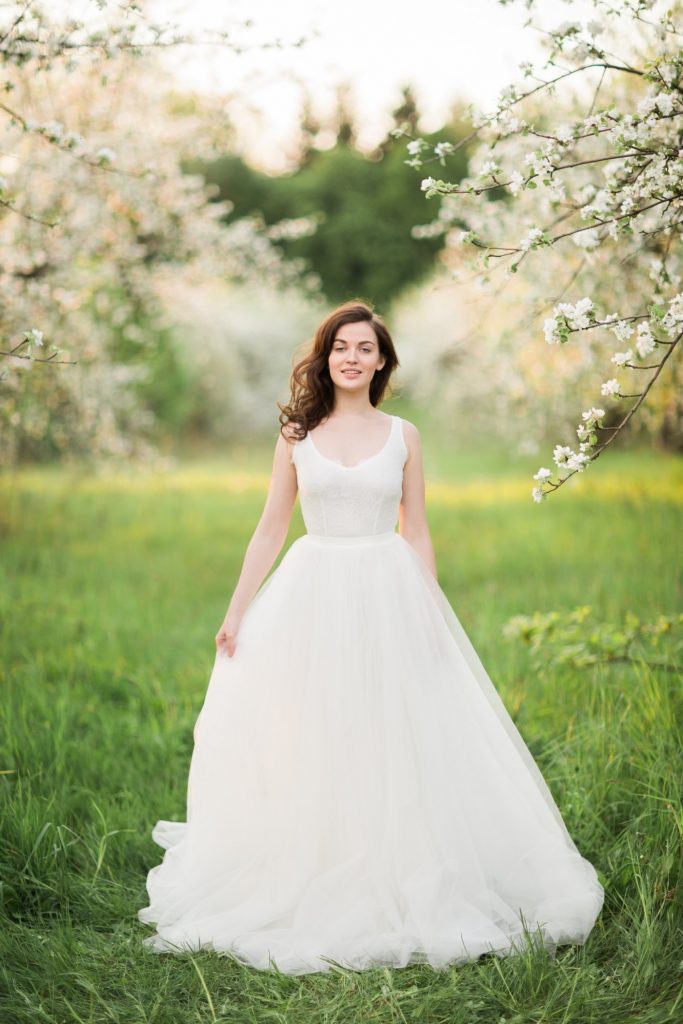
x=617 y=430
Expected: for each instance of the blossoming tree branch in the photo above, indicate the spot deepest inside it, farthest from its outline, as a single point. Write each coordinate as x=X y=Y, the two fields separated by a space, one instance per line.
x=604 y=188
x=98 y=221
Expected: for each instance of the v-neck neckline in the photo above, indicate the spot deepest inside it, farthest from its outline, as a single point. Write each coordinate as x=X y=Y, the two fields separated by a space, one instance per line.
x=362 y=462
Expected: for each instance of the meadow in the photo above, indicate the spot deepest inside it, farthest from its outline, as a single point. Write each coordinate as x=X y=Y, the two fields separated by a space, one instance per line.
x=113 y=587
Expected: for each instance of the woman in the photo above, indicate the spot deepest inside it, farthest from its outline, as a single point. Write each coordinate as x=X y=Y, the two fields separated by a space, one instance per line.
x=358 y=794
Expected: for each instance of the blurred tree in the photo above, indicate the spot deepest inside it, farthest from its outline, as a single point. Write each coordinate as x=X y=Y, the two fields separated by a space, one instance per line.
x=367 y=204
x=343 y=117
x=97 y=222
x=309 y=128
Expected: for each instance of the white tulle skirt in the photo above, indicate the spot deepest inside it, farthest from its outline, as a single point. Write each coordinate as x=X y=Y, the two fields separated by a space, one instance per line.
x=358 y=794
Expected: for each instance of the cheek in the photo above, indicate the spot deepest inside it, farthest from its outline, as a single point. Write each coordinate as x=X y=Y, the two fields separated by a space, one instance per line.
x=336 y=362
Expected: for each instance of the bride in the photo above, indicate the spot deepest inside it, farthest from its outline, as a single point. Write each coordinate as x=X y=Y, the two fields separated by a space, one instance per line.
x=358 y=795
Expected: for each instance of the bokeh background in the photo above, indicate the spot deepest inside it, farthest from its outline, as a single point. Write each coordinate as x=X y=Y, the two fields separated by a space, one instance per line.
x=175 y=220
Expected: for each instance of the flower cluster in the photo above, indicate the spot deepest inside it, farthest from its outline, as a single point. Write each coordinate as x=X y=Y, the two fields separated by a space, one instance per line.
x=565 y=457
x=534 y=239
x=292 y=228
x=567 y=317
x=602 y=189
x=605 y=185
x=89 y=257
x=669 y=320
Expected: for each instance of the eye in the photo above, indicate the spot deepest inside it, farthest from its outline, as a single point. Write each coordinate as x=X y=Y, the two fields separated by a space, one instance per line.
x=340 y=348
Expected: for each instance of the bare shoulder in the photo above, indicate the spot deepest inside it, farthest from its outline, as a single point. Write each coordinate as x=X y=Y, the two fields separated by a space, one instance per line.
x=286 y=439
x=410 y=430
x=411 y=435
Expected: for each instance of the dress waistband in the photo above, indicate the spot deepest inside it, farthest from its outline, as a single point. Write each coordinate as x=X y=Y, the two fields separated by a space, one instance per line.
x=326 y=540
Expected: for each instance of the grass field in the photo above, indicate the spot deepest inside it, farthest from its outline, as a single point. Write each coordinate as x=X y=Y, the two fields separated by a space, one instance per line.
x=113 y=588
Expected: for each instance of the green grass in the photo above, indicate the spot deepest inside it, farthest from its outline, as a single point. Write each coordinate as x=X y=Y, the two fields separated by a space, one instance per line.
x=112 y=591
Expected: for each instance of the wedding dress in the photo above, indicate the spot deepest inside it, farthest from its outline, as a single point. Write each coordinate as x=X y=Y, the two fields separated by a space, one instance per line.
x=358 y=795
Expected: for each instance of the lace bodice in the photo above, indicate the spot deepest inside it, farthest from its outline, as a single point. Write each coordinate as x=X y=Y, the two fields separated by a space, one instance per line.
x=349 y=501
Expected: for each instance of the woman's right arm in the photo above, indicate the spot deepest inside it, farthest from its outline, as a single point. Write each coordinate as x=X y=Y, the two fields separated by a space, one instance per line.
x=265 y=544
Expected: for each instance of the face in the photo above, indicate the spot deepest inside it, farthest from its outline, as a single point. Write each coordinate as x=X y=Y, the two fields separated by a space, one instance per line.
x=354 y=356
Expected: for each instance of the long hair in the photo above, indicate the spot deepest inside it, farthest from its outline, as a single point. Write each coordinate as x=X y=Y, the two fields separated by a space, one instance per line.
x=312 y=390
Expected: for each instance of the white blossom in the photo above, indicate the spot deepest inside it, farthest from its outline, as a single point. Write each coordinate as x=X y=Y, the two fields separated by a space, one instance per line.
x=507 y=123
x=610 y=387
x=550 y=330
x=582 y=50
x=600 y=204
x=539 y=163
x=664 y=102
x=535 y=234
x=587 y=239
x=621 y=358
x=645 y=343
x=674 y=315
x=578 y=315
x=561 y=453
x=669 y=71
x=622 y=330
x=516 y=182
x=508 y=95
x=490 y=167
x=577 y=460
x=557 y=190
x=646 y=105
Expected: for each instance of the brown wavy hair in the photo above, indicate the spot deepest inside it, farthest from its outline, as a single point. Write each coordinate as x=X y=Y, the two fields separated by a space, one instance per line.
x=312 y=390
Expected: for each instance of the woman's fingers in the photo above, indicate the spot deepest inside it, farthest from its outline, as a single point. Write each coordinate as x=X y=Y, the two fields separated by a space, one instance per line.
x=227 y=640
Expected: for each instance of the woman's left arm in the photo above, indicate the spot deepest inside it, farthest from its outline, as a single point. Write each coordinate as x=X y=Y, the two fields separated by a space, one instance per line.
x=412 y=516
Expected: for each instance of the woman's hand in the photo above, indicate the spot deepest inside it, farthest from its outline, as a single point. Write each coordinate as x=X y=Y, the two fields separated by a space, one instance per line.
x=227 y=635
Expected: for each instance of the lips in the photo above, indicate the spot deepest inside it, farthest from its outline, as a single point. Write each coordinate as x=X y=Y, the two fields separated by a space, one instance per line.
x=351 y=373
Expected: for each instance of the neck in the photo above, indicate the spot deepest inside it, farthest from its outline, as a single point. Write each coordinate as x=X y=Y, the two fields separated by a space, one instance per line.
x=352 y=405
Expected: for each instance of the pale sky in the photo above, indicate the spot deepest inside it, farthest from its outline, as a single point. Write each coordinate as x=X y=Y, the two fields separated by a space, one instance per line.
x=446 y=49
